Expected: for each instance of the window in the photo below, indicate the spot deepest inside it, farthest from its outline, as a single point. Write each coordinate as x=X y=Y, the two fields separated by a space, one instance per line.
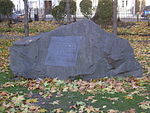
x=126 y=2
x=122 y=3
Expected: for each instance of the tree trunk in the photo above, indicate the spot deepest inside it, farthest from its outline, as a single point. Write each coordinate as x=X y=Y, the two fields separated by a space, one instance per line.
x=68 y=11
x=30 y=20
x=115 y=16
x=8 y=21
x=0 y=18
x=137 y=6
x=149 y=21
x=26 y=24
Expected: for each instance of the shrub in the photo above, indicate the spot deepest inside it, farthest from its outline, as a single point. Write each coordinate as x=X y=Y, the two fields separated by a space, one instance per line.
x=86 y=8
x=72 y=6
x=104 y=13
x=58 y=13
x=6 y=7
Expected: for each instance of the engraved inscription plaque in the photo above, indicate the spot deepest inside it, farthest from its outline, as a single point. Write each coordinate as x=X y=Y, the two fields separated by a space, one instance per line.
x=63 y=51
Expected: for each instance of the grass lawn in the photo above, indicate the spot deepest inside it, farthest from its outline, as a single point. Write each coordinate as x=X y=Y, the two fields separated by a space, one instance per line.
x=106 y=95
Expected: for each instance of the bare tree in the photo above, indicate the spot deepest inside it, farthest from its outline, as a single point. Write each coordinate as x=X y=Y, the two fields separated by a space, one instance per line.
x=115 y=16
x=68 y=11
x=26 y=24
x=137 y=6
x=142 y=4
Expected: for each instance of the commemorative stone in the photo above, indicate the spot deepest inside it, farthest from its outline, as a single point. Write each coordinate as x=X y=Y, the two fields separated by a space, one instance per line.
x=78 y=49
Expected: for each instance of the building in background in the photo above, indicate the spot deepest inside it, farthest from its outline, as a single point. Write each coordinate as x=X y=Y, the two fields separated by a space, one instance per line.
x=78 y=12
x=126 y=8
x=19 y=5
x=36 y=7
x=147 y=2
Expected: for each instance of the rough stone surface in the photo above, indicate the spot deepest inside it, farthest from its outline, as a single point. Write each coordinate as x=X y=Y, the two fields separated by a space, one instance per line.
x=78 y=49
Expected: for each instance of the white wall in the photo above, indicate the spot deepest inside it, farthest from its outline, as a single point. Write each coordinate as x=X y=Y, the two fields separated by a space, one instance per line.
x=126 y=8
x=19 y=5
x=147 y=2
x=36 y=3
x=55 y=3
x=33 y=5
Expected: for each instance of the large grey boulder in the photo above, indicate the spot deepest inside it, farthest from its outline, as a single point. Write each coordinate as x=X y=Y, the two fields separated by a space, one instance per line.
x=78 y=49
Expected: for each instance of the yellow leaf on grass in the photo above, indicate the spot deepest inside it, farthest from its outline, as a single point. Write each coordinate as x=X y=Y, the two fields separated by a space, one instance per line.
x=3 y=93
x=145 y=105
x=43 y=110
x=18 y=100
x=71 y=111
x=128 y=97
x=112 y=111
x=8 y=84
x=91 y=109
x=114 y=99
x=58 y=110
x=130 y=111
x=32 y=100
x=93 y=101
x=55 y=102
x=89 y=98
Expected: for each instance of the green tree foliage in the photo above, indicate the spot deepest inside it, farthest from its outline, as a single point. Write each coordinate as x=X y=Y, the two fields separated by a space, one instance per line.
x=86 y=8
x=59 y=12
x=72 y=6
x=104 y=12
x=6 y=7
